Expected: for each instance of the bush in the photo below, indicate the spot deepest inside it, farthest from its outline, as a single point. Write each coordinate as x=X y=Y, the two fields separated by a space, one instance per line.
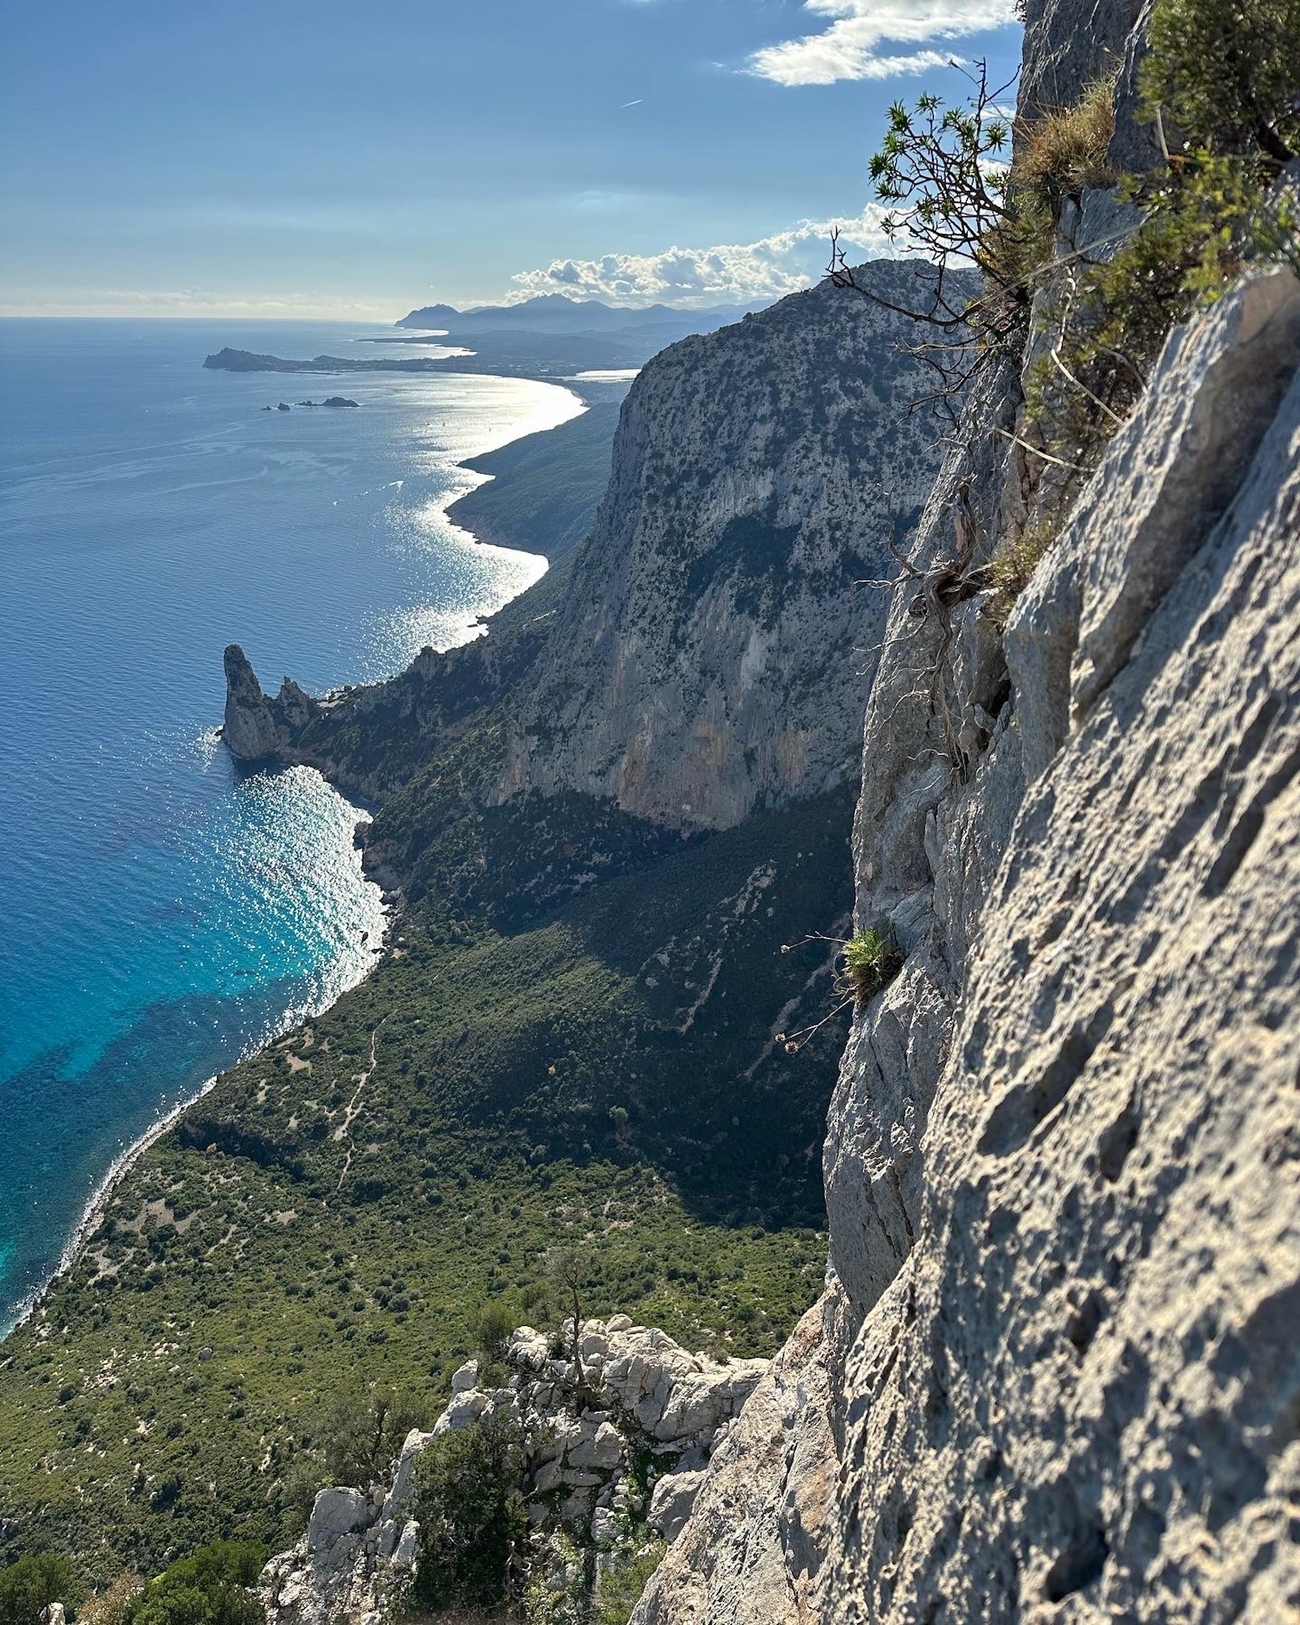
x=213 y=1587
x=495 y=1326
x=1219 y=81
x=362 y=1436
x=619 y=1589
x=1014 y=561
x=473 y=1530
x=871 y=961
x=298 y=1491
x=1061 y=153
x=32 y=1584
x=1224 y=74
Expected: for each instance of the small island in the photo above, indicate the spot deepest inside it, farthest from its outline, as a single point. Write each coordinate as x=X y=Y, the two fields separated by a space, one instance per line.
x=331 y=400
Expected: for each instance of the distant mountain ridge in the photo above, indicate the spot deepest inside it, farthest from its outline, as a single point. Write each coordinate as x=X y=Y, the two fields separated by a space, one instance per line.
x=557 y=313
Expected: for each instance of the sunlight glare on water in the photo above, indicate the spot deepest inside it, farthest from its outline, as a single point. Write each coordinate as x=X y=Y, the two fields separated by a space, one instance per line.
x=163 y=911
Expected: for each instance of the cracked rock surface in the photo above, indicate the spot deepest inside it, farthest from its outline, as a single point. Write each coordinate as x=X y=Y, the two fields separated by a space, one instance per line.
x=1063 y=1166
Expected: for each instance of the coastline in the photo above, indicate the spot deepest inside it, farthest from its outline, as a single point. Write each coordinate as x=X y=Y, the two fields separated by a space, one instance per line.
x=126 y=1159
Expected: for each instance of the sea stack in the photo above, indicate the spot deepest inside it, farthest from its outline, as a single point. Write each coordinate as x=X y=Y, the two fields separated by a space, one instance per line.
x=250 y=731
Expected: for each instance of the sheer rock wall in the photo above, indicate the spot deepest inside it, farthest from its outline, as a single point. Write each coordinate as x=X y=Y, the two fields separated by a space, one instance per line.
x=1055 y=1375
x=718 y=646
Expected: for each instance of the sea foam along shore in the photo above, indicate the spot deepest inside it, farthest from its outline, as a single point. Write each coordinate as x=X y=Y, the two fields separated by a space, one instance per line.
x=93 y=1213
x=126 y=1159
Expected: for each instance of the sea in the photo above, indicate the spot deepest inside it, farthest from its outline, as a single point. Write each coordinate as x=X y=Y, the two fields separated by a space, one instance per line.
x=163 y=911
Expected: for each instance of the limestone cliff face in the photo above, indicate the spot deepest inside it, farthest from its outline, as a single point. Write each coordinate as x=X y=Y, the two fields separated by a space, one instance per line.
x=718 y=645
x=1059 y=1348
x=1055 y=1375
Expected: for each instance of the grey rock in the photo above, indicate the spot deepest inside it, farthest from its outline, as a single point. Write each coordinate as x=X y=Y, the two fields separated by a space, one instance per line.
x=1173 y=469
x=604 y=1449
x=403 y=1486
x=689 y=678
x=404 y=1556
x=334 y=1514
x=1061 y=1165
x=250 y=731
x=762 y=1521
x=670 y=1505
x=466 y=1378
x=604 y=1528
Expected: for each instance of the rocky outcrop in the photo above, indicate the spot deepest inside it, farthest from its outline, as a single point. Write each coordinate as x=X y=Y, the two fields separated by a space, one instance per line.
x=716 y=640
x=250 y=732
x=616 y=1454
x=1059 y=1339
x=719 y=642
x=1063 y=1189
x=258 y=728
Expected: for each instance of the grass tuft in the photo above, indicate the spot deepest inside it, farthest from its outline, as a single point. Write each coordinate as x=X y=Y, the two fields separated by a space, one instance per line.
x=871 y=961
x=1063 y=152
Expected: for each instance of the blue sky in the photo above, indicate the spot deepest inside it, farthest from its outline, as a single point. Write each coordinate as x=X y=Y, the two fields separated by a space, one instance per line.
x=282 y=158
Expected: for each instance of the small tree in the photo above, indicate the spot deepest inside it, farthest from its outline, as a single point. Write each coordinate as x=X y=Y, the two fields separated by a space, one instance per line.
x=567 y=1270
x=944 y=172
x=495 y=1326
x=473 y=1529
x=30 y=1585
x=362 y=1436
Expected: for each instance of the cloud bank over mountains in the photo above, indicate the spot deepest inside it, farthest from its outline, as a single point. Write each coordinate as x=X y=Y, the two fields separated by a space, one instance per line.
x=729 y=273
x=850 y=48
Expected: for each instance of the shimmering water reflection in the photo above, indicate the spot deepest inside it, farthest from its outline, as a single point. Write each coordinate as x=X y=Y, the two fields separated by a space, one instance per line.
x=160 y=912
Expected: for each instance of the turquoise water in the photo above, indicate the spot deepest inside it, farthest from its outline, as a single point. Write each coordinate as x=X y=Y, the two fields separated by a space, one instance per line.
x=161 y=911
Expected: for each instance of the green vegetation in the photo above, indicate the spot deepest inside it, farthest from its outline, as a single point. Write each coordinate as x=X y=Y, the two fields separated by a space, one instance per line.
x=28 y=1586
x=1014 y=561
x=213 y=1587
x=1224 y=74
x=473 y=1529
x=361 y=1437
x=507 y=1082
x=871 y=961
x=943 y=171
x=620 y=1587
x=494 y=1328
x=1218 y=88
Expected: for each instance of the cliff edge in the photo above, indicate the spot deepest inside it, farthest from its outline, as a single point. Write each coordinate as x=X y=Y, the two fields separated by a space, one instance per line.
x=1056 y=1372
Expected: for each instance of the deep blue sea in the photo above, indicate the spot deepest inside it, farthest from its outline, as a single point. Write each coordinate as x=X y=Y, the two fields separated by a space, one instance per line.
x=160 y=912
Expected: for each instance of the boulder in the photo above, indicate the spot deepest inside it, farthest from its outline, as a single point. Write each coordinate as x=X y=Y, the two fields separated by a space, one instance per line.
x=335 y=1514
x=603 y=1448
x=465 y=1378
x=672 y=1501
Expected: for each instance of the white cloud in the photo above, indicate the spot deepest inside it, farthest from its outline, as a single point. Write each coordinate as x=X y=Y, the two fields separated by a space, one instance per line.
x=730 y=273
x=849 y=47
